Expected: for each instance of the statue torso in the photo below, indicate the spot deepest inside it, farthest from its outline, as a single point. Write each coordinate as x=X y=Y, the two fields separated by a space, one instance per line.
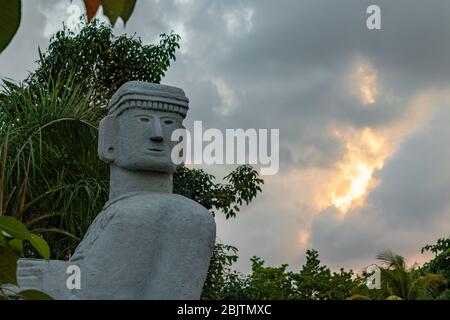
x=152 y=209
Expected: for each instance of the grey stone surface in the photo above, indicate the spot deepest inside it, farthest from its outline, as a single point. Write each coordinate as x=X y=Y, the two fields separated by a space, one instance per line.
x=147 y=243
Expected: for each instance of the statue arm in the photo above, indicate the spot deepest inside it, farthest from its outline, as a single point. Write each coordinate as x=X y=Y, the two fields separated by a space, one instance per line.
x=49 y=277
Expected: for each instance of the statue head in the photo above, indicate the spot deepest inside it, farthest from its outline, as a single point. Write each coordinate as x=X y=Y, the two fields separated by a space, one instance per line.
x=136 y=133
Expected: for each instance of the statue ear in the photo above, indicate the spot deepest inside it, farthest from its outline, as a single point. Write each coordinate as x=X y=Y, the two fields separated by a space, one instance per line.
x=107 y=139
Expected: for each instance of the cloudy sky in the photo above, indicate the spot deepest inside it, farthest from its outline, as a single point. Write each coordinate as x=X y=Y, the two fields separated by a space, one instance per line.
x=363 y=115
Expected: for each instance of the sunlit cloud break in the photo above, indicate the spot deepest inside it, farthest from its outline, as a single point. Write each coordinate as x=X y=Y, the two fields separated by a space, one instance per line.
x=366 y=79
x=365 y=152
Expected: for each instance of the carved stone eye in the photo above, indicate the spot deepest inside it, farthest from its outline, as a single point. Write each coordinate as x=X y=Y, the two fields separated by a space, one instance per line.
x=169 y=121
x=144 y=119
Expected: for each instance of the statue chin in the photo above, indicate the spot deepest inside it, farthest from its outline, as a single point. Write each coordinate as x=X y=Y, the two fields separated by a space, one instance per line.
x=149 y=165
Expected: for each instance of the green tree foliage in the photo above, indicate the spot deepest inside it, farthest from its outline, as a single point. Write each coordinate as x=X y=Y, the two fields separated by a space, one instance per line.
x=241 y=187
x=317 y=282
x=221 y=282
x=269 y=283
x=102 y=61
x=407 y=284
x=313 y=282
x=398 y=282
x=440 y=264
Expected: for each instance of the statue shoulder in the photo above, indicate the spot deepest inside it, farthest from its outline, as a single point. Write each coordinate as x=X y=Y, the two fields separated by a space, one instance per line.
x=153 y=203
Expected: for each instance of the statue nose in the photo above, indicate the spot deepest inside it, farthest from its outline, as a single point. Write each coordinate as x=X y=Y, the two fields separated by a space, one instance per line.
x=157 y=134
x=156 y=138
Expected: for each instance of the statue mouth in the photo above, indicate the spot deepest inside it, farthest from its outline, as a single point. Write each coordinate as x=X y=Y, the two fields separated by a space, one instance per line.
x=157 y=150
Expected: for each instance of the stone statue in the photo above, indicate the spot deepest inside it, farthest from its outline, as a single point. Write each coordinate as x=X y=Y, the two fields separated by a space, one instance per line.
x=147 y=243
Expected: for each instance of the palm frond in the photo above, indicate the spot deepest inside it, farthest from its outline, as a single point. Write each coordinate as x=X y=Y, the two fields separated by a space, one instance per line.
x=50 y=167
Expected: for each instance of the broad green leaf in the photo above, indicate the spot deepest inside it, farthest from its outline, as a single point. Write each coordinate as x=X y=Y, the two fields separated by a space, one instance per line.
x=16 y=245
x=14 y=228
x=41 y=246
x=128 y=9
x=114 y=9
x=34 y=295
x=10 y=15
x=8 y=266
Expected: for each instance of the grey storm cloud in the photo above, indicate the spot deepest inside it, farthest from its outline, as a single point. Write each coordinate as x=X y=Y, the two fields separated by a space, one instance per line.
x=285 y=64
x=286 y=72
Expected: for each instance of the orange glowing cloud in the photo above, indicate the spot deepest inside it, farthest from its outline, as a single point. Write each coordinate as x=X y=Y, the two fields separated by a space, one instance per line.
x=366 y=83
x=366 y=150
x=365 y=153
x=352 y=179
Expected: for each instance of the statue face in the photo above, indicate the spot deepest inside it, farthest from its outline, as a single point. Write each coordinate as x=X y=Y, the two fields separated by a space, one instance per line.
x=144 y=140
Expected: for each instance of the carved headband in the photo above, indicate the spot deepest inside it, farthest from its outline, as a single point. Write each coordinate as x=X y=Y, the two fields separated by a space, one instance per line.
x=138 y=94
